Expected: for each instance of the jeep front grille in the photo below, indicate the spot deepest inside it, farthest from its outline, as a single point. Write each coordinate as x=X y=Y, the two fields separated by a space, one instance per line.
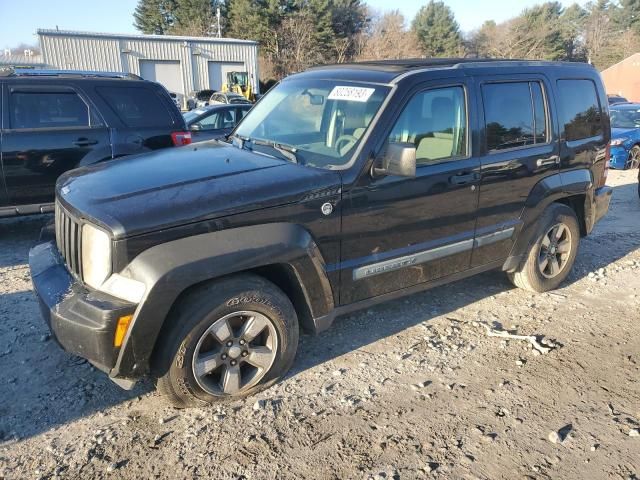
x=68 y=240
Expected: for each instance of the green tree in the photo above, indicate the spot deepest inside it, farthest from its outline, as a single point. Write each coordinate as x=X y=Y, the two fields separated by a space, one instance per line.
x=349 y=19
x=321 y=11
x=628 y=15
x=196 y=17
x=437 y=30
x=572 y=22
x=154 y=16
x=540 y=34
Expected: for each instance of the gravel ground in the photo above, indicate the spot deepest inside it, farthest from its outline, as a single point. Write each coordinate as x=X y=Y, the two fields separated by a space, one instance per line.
x=414 y=388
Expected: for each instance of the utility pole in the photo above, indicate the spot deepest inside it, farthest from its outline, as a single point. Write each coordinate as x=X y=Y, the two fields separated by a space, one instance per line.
x=218 y=17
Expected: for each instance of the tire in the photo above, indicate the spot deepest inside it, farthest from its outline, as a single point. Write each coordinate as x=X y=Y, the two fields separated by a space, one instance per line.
x=533 y=273
x=197 y=341
x=634 y=158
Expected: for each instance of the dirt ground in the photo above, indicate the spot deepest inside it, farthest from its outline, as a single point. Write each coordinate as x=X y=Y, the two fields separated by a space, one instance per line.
x=414 y=388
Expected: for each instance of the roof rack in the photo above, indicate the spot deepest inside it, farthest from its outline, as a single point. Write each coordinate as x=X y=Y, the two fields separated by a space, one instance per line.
x=36 y=72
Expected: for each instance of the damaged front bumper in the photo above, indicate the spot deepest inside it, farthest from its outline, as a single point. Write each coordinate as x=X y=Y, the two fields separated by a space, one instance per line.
x=82 y=321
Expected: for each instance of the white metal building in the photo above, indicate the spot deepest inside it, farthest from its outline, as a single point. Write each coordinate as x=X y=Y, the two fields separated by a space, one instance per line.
x=181 y=64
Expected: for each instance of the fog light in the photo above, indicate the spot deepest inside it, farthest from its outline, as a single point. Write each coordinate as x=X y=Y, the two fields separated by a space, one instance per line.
x=121 y=330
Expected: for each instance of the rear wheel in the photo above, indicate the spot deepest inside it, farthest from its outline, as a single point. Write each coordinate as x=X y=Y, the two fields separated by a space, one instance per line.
x=227 y=340
x=550 y=259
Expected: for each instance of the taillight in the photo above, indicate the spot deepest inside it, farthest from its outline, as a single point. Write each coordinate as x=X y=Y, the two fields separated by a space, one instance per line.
x=181 y=138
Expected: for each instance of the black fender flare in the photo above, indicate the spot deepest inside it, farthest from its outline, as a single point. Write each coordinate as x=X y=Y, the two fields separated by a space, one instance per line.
x=548 y=190
x=170 y=268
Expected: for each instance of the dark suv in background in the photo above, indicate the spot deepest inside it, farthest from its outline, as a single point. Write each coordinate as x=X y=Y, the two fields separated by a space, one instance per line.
x=344 y=186
x=53 y=121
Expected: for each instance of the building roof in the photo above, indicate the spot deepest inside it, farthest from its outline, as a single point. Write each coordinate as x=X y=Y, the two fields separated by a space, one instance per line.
x=624 y=60
x=118 y=36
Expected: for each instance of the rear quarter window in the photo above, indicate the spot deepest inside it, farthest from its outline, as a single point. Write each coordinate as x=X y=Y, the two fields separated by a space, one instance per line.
x=579 y=109
x=137 y=106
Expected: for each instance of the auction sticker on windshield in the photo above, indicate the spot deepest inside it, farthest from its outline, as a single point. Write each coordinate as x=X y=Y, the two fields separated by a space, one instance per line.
x=351 y=94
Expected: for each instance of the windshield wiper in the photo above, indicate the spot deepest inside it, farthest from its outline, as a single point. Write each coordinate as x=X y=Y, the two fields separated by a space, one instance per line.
x=286 y=151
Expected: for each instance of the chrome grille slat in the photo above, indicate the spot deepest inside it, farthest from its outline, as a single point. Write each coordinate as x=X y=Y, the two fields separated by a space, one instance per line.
x=68 y=240
x=72 y=246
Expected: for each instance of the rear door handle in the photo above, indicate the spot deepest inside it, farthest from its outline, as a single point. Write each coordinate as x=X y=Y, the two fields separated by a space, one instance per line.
x=84 y=142
x=553 y=160
x=463 y=178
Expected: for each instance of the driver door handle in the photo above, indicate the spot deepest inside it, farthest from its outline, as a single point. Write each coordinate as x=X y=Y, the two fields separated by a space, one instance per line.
x=552 y=160
x=464 y=178
x=84 y=142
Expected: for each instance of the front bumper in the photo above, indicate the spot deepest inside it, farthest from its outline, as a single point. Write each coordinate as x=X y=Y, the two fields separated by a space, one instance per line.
x=82 y=321
x=619 y=158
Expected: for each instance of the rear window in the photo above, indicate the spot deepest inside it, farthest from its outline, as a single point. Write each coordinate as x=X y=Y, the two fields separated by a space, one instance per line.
x=515 y=115
x=579 y=109
x=136 y=106
x=47 y=110
x=204 y=94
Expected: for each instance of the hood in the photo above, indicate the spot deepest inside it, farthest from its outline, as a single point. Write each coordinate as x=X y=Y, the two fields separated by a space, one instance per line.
x=618 y=132
x=174 y=186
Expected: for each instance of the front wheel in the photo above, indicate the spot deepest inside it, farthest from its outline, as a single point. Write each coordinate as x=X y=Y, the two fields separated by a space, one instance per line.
x=550 y=259
x=634 y=158
x=227 y=340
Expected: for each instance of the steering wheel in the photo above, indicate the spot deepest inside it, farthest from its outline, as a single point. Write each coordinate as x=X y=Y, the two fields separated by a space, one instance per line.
x=347 y=140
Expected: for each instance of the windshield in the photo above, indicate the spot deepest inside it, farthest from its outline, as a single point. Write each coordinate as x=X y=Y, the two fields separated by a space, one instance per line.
x=323 y=120
x=204 y=94
x=625 y=117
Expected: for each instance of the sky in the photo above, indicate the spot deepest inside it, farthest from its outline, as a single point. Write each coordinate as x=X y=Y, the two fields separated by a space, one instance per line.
x=21 y=19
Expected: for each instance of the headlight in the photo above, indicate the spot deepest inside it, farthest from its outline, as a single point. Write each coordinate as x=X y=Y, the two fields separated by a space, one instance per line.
x=619 y=141
x=96 y=256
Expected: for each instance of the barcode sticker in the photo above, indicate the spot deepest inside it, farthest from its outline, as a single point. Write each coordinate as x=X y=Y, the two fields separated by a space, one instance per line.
x=351 y=94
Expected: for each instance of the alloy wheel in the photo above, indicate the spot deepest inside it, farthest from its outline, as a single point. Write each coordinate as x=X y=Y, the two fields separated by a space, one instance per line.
x=235 y=353
x=634 y=158
x=555 y=250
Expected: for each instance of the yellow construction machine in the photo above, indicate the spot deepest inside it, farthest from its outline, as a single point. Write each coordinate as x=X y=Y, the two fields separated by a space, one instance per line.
x=238 y=82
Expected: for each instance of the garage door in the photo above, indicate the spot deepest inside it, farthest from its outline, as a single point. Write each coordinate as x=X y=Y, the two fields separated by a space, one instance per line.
x=218 y=72
x=166 y=72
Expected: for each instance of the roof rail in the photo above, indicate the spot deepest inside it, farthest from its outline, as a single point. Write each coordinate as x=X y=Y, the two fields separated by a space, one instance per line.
x=37 y=72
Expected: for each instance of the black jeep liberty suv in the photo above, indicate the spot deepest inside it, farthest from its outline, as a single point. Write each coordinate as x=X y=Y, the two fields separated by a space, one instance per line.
x=343 y=187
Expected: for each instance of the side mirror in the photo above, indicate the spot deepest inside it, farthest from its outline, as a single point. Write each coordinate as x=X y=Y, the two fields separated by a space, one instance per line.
x=195 y=127
x=399 y=159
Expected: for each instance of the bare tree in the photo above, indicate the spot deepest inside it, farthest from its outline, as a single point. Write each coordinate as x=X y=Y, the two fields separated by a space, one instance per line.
x=298 y=48
x=387 y=37
x=342 y=48
x=597 y=32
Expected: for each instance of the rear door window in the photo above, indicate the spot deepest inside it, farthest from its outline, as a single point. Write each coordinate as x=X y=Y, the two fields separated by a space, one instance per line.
x=515 y=115
x=137 y=106
x=579 y=109
x=37 y=109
